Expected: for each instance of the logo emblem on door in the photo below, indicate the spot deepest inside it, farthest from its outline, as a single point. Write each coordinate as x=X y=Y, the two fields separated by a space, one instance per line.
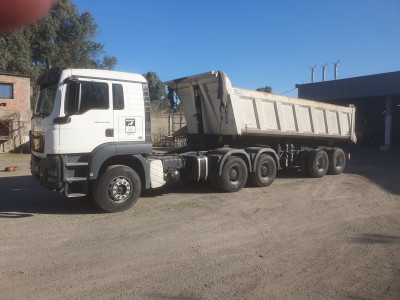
x=130 y=126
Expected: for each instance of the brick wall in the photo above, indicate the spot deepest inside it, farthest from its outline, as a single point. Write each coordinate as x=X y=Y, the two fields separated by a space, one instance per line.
x=15 y=113
x=163 y=125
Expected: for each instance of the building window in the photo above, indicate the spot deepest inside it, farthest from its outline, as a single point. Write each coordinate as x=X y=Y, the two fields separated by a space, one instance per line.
x=6 y=90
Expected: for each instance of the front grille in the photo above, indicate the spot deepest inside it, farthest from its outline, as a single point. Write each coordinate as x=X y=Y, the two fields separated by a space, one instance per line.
x=38 y=142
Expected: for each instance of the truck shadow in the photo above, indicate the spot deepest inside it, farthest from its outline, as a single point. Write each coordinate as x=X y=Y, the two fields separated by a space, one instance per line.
x=23 y=196
x=367 y=238
x=381 y=167
x=181 y=187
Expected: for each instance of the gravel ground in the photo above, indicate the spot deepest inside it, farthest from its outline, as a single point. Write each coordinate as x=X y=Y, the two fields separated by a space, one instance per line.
x=304 y=238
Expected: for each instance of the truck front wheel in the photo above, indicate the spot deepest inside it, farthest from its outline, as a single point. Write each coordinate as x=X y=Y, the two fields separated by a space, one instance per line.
x=117 y=189
x=265 y=171
x=234 y=175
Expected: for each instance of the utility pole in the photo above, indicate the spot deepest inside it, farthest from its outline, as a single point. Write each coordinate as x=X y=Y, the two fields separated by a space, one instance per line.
x=323 y=71
x=336 y=64
x=313 y=69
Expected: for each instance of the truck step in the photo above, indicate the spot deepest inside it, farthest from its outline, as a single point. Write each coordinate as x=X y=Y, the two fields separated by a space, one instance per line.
x=75 y=179
x=74 y=195
x=76 y=164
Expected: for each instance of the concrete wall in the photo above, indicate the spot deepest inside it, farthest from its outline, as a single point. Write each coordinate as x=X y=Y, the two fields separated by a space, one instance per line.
x=163 y=125
x=15 y=113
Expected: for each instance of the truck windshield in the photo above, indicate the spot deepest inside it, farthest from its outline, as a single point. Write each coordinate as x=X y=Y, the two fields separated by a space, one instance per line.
x=46 y=99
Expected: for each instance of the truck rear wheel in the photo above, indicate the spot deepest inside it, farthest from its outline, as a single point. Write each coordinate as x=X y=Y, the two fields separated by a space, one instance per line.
x=318 y=163
x=234 y=175
x=337 y=161
x=117 y=189
x=265 y=171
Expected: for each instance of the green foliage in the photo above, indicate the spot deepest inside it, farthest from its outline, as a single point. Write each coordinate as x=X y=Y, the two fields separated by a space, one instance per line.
x=158 y=93
x=64 y=38
x=266 y=89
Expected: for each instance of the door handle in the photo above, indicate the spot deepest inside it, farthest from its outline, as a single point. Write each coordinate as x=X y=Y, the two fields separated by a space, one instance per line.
x=109 y=132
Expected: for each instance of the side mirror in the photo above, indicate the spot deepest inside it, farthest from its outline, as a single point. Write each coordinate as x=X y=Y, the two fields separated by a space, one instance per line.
x=72 y=97
x=62 y=120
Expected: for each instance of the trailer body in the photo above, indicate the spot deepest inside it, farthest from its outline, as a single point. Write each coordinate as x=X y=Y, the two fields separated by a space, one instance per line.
x=253 y=113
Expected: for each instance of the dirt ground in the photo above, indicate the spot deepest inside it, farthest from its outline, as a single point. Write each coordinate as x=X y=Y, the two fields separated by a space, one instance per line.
x=303 y=238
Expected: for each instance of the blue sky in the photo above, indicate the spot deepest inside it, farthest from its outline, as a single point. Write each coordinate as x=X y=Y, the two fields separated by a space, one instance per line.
x=256 y=43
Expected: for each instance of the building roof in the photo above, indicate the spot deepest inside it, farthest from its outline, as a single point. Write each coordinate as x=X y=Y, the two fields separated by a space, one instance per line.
x=15 y=74
x=355 y=87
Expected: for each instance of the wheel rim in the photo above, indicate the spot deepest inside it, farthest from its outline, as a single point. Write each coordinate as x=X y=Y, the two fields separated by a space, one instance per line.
x=119 y=189
x=234 y=174
x=339 y=162
x=321 y=164
x=265 y=171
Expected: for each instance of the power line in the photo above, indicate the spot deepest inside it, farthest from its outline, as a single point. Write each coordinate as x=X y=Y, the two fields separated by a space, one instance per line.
x=288 y=91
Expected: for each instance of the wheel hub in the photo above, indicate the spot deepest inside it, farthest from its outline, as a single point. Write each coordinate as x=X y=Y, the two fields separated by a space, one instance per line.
x=339 y=162
x=119 y=189
x=321 y=164
x=264 y=171
x=233 y=174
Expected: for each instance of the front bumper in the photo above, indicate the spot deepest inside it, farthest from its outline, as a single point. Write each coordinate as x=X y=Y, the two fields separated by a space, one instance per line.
x=48 y=171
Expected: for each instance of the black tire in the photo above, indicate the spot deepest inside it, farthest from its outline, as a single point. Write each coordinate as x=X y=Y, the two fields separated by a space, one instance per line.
x=303 y=161
x=117 y=189
x=265 y=171
x=337 y=161
x=234 y=175
x=318 y=163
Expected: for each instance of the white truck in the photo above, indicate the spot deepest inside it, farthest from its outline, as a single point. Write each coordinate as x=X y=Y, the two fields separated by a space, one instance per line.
x=91 y=135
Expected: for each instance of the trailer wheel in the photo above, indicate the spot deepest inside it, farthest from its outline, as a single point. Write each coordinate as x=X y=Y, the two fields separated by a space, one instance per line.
x=117 y=189
x=265 y=171
x=318 y=163
x=337 y=161
x=234 y=175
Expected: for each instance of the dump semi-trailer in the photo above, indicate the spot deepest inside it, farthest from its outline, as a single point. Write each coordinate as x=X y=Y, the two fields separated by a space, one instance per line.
x=91 y=135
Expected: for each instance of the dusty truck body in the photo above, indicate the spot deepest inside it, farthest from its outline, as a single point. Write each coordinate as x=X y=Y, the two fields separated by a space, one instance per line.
x=257 y=115
x=91 y=135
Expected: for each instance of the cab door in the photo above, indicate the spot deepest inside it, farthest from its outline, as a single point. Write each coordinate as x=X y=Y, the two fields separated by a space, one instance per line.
x=128 y=105
x=91 y=124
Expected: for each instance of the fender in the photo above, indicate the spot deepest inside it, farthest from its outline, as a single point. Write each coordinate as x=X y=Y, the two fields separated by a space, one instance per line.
x=227 y=152
x=105 y=151
x=257 y=151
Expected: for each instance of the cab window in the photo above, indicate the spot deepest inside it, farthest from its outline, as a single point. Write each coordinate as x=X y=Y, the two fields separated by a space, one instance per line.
x=94 y=95
x=118 y=96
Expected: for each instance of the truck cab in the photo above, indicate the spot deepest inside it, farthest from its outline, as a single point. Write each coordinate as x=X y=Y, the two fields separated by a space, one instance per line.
x=82 y=118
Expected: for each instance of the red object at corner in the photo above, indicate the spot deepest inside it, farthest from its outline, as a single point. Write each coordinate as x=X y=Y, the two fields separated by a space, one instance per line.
x=20 y=13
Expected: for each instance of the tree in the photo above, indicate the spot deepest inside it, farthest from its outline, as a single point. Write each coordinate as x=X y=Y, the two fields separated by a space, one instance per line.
x=266 y=89
x=157 y=90
x=15 y=53
x=64 y=38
